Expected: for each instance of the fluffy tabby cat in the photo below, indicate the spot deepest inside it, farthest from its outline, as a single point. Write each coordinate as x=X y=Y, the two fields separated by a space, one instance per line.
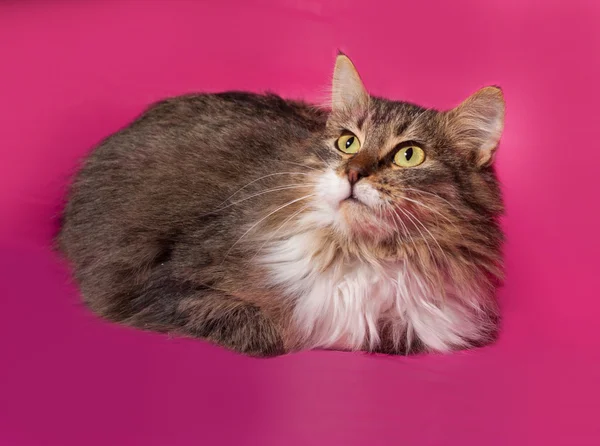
x=268 y=226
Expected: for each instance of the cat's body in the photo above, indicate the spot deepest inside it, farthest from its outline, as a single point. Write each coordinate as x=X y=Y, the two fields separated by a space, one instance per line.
x=233 y=217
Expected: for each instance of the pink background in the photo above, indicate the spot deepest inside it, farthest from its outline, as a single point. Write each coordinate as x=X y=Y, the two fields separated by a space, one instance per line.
x=73 y=72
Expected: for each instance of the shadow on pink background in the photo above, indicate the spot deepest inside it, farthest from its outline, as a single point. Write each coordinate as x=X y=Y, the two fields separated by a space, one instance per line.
x=73 y=72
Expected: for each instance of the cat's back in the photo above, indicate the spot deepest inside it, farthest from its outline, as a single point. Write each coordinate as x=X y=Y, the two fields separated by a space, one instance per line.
x=235 y=109
x=178 y=159
x=202 y=134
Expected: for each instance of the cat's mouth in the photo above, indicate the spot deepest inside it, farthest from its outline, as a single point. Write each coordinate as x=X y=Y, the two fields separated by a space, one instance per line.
x=353 y=200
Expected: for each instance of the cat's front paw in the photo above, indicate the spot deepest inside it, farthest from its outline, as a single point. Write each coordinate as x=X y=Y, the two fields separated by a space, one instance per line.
x=235 y=325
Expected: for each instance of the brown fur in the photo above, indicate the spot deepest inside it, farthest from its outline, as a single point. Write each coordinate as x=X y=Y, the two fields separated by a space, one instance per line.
x=156 y=224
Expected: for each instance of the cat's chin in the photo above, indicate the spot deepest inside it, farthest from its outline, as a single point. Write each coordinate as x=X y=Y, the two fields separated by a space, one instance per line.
x=351 y=202
x=360 y=220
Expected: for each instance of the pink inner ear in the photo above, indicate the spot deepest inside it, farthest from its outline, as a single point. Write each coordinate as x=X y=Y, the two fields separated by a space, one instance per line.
x=348 y=91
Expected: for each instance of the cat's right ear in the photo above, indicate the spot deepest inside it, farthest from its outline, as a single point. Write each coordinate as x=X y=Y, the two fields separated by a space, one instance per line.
x=348 y=91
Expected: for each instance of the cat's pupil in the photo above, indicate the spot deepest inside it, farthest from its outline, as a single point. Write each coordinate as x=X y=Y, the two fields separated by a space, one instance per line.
x=408 y=153
x=349 y=142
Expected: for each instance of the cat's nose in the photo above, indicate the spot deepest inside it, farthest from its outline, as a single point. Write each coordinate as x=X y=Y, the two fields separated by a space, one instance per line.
x=355 y=173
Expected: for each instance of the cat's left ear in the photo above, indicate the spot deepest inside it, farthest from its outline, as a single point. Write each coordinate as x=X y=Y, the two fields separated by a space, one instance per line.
x=348 y=91
x=477 y=123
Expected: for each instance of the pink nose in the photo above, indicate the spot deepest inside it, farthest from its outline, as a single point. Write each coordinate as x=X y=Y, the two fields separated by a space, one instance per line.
x=355 y=173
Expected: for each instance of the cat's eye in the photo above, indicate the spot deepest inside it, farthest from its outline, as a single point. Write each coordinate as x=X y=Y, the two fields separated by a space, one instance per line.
x=348 y=143
x=409 y=156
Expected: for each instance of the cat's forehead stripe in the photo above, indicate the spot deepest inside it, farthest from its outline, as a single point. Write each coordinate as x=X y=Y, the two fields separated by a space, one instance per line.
x=397 y=116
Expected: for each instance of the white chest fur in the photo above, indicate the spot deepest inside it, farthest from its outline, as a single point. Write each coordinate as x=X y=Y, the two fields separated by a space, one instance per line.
x=344 y=306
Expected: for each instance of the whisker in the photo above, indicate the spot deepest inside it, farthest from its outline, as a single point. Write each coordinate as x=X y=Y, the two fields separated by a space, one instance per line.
x=419 y=191
x=398 y=227
x=262 y=178
x=263 y=219
x=301 y=165
x=418 y=229
x=408 y=235
x=435 y=211
x=437 y=275
x=432 y=236
x=287 y=220
x=275 y=189
x=320 y=157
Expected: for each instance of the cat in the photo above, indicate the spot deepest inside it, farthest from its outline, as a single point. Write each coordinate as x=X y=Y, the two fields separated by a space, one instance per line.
x=269 y=226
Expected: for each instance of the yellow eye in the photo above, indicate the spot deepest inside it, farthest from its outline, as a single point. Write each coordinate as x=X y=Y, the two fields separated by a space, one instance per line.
x=410 y=156
x=348 y=143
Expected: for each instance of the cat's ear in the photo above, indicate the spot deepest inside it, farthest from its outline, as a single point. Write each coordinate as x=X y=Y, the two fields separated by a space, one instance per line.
x=348 y=91
x=477 y=123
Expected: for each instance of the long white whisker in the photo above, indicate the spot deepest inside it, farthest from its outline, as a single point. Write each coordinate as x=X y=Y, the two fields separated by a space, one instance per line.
x=320 y=157
x=419 y=191
x=439 y=279
x=261 y=178
x=435 y=211
x=287 y=220
x=429 y=232
x=408 y=234
x=289 y=203
x=404 y=230
x=301 y=165
x=275 y=189
x=396 y=224
x=418 y=229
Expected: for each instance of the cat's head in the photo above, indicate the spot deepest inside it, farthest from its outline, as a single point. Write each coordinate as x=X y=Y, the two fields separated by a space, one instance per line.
x=395 y=173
